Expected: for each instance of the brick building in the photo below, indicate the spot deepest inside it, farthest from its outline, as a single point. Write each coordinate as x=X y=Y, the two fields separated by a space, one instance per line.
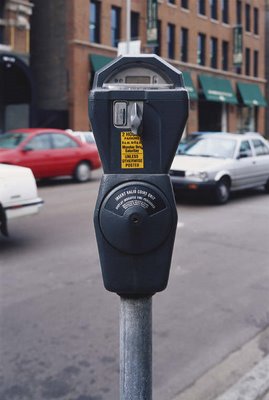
x=267 y=66
x=218 y=44
x=16 y=83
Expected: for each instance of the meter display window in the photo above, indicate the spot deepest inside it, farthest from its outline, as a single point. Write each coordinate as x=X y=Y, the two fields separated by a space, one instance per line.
x=137 y=79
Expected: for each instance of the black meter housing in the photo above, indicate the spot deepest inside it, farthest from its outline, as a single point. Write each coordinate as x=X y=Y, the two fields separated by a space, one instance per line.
x=138 y=108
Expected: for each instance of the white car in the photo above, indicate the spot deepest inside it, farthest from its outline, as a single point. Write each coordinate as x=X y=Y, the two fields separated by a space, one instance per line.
x=18 y=194
x=222 y=163
x=84 y=136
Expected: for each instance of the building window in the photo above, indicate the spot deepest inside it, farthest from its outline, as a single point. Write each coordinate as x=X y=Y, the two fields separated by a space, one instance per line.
x=256 y=63
x=247 y=15
x=238 y=12
x=171 y=1
x=115 y=26
x=134 y=25
x=159 y=38
x=201 y=49
x=214 y=9
x=171 y=41
x=225 y=55
x=202 y=7
x=247 y=61
x=2 y=27
x=94 y=25
x=185 y=4
x=213 y=52
x=184 y=44
x=256 y=20
x=225 y=11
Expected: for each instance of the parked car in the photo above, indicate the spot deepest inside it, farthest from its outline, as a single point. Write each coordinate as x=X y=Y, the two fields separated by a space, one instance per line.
x=18 y=194
x=190 y=137
x=84 y=136
x=222 y=163
x=49 y=153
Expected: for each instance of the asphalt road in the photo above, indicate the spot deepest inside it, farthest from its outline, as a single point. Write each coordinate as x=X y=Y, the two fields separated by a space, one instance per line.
x=59 y=335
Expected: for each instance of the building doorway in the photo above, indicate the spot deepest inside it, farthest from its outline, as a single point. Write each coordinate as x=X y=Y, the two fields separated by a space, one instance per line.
x=210 y=116
x=16 y=97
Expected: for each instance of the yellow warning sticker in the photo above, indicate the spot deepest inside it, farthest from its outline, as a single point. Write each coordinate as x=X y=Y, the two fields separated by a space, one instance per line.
x=132 y=153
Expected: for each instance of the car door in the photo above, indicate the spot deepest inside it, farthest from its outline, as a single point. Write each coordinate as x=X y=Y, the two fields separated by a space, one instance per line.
x=66 y=153
x=36 y=155
x=261 y=155
x=244 y=171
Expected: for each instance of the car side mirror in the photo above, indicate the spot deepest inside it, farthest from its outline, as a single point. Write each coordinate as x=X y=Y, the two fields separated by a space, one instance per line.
x=27 y=148
x=242 y=155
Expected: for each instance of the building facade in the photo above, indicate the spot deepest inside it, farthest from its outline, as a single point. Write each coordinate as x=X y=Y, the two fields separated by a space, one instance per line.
x=267 y=67
x=16 y=83
x=219 y=45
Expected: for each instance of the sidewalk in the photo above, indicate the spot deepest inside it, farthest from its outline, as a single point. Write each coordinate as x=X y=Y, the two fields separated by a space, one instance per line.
x=242 y=375
x=252 y=386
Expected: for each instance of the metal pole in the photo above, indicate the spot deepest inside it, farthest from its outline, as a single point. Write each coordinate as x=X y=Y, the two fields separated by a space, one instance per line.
x=136 y=348
x=128 y=25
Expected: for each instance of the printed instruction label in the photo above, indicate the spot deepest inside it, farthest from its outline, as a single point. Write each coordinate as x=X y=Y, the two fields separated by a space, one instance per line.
x=132 y=153
x=135 y=196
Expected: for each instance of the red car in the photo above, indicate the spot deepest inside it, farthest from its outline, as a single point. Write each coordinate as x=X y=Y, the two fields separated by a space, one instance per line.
x=49 y=153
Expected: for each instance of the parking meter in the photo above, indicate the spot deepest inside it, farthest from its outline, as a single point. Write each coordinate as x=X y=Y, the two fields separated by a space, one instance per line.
x=138 y=108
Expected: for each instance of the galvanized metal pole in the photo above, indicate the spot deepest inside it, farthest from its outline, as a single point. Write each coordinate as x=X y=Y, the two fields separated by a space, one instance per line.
x=136 y=348
x=128 y=25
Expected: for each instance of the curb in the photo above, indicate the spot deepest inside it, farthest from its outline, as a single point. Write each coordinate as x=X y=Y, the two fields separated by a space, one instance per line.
x=252 y=386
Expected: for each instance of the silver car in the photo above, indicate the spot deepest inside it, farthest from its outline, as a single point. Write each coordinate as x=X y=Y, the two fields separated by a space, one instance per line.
x=221 y=164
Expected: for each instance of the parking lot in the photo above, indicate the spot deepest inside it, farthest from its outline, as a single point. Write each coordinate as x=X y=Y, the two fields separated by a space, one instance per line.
x=60 y=328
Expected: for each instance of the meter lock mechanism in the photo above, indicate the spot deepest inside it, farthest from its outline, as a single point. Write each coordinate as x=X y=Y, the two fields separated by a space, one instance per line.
x=128 y=115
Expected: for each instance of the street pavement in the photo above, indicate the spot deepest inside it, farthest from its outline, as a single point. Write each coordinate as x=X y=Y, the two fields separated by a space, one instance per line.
x=59 y=336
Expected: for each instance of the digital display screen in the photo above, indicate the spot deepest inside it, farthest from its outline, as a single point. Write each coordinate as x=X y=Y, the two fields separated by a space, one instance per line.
x=137 y=79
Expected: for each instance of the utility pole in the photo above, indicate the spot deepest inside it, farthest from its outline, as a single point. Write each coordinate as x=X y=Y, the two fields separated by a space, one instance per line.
x=128 y=25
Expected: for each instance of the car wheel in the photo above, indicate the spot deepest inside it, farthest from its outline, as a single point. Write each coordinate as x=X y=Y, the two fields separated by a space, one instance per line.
x=222 y=191
x=83 y=172
x=266 y=186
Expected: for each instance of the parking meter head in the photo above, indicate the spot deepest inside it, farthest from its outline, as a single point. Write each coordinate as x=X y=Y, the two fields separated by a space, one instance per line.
x=138 y=108
x=140 y=96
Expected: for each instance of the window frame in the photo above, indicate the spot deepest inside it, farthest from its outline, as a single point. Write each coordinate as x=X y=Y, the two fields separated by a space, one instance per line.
x=213 y=52
x=256 y=21
x=214 y=9
x=247 y=17
x=184 y=44
x=171 y=30
x=185 y=4
x=247 y=61
x=115 y=29
x=225 y=55
x=225 y=11
x=201 y=7
x=94 y=34
x=201 y=48
x=135 y=19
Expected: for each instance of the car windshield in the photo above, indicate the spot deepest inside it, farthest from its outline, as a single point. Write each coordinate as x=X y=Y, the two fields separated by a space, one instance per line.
x=10 y=140
x=211 y=147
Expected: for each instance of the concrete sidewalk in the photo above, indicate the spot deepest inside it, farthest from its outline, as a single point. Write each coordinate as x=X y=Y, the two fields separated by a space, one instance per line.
x=242 y=375
x=252 y=386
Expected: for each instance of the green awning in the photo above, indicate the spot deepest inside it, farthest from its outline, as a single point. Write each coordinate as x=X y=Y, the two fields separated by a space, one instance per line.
x=217 y=89
x=189 y=85
x=251 y=94
x=98 y=61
